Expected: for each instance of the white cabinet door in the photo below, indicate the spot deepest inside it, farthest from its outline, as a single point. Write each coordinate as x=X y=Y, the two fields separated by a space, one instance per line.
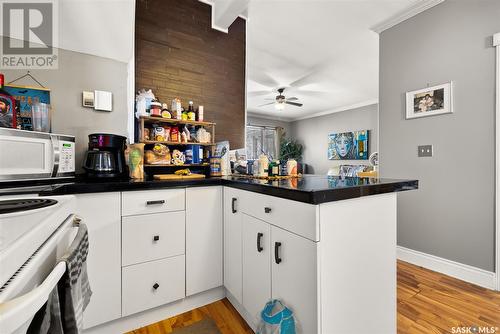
x=101 y=214
x=203 y=239
x=294 y=277
x=256 y=265
x=232 y=242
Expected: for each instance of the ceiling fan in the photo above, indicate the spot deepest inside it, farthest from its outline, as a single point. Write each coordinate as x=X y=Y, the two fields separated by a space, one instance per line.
x=280 y=100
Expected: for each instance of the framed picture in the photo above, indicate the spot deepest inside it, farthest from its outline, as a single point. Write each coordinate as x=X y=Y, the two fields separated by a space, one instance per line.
x=429 y=101
x=26 y=97
x=348 y=145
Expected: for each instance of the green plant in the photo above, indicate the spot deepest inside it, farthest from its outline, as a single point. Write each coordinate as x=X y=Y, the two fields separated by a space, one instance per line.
x=290 y=149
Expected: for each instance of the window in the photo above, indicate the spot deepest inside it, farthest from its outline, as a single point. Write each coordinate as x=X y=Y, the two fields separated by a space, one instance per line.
x=261 y=139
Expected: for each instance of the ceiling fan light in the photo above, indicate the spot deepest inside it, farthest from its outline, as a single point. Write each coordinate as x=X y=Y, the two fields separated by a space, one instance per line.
x=279 y=106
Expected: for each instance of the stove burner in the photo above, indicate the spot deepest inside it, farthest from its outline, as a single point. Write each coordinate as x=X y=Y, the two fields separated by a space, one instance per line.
x=25 y=204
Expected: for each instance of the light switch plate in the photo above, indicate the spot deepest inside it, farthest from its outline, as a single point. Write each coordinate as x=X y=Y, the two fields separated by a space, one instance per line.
x=424 y=151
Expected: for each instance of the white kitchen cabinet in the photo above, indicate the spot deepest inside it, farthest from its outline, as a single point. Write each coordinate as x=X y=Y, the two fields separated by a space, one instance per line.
x=256 y=255
x=101 y=214
x=150 y=284
x=232 y=242
x=152 y=201
x=297 y=217
x=204 y=239
x=152 y=237
x=294 y=278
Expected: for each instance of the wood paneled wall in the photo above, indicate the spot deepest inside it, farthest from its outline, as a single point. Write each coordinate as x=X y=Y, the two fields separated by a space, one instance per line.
x=178 y=54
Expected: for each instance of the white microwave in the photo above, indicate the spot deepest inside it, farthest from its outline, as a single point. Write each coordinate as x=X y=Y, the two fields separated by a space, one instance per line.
x=30 y=155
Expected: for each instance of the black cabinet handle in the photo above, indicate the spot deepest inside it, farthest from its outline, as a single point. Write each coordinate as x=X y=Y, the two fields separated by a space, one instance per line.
x=277 y=258
x=161 y=201
x=156 y=286
x=267 y=210
x=233 y=201
x=156 y=238
x=259 y=238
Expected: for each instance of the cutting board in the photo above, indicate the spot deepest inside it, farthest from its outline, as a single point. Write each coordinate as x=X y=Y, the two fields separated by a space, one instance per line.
x=174 y=177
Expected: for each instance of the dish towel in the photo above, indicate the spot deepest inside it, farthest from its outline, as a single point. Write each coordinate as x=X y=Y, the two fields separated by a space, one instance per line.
x=74 y=287
x=276 y=318
x=48 y=319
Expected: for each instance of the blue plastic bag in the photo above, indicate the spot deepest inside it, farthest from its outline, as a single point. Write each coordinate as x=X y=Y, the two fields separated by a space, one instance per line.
x=276 y=318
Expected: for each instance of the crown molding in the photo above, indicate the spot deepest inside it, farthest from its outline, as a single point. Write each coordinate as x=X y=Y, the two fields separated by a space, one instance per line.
x=496 y=39
x=272 y=118
x=339 y=109
x=317 y=114
x=406 y=14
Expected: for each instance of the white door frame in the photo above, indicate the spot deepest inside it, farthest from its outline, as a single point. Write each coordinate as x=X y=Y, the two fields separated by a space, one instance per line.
x=496 y=44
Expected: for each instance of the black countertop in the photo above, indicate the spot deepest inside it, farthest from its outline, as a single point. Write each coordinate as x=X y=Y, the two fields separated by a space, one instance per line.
x=313 y=189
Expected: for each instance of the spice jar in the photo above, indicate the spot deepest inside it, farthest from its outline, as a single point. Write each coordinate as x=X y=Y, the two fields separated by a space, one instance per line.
x=155 y=109
x=215 y=166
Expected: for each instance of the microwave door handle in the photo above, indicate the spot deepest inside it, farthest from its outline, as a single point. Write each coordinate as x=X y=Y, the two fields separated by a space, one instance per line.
x=56 y=154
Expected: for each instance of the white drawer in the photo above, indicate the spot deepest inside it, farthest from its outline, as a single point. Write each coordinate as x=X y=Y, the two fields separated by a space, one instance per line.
x=152 y=284
x=152 y=201
x=153 y=237
x=297 y=217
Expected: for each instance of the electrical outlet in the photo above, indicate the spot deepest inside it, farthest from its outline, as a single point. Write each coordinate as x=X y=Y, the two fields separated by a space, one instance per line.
x=424 y=151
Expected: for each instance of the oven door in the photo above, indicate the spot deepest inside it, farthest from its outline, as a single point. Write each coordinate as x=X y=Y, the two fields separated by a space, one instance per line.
x=26 y=155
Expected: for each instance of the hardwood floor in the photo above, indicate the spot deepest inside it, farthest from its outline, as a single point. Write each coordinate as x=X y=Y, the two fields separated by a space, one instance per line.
x=428 y=302
x=222 y=312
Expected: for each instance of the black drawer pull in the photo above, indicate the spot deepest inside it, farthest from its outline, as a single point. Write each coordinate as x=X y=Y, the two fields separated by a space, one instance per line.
x=233 y=201
x=160 y=201
x=277 y=258
x=156 y=286
x=156 y=238
x=259 y=238
x=267 y=210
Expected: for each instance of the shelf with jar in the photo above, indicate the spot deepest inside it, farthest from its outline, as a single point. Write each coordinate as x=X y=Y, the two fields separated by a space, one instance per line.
x=166 y=131
x=174 y=136
x=172 y=143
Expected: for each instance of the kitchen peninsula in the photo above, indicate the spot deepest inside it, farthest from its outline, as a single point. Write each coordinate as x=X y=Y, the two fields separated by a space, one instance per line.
x=320 y=244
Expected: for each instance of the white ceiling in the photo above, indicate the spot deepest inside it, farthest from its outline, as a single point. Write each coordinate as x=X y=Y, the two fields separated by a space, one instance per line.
x=323 y=51
x=103 y=28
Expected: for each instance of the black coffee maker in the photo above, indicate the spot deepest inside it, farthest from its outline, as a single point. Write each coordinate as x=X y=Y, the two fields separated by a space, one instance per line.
x=105 y=157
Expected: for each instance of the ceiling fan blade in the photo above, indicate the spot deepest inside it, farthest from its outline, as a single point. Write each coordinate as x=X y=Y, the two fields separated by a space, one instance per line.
x=260 y=77
x=312 y=75
x=291 y=98
x=294 y=104
x=258 y=93
x=266 y=104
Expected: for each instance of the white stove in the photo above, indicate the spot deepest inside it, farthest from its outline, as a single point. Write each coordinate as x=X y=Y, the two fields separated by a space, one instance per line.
x=26 y=222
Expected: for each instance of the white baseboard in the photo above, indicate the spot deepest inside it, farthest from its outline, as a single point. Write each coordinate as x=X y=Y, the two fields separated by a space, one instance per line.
x=484 y=278
x=148 y=317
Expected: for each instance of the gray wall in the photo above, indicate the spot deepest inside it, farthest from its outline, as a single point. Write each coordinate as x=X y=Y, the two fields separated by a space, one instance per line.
x=313 y=134
x=78 y=72
x=452 y=214
x=255 y=120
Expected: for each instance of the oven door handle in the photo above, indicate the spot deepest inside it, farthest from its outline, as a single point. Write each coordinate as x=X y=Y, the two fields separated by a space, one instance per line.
x=16 y=312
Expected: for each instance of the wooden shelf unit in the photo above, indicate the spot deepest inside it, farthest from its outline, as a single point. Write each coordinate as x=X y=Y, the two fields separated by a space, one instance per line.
x=175 y=166
x=151 y=120
x=157 y=120
x=173 y=143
